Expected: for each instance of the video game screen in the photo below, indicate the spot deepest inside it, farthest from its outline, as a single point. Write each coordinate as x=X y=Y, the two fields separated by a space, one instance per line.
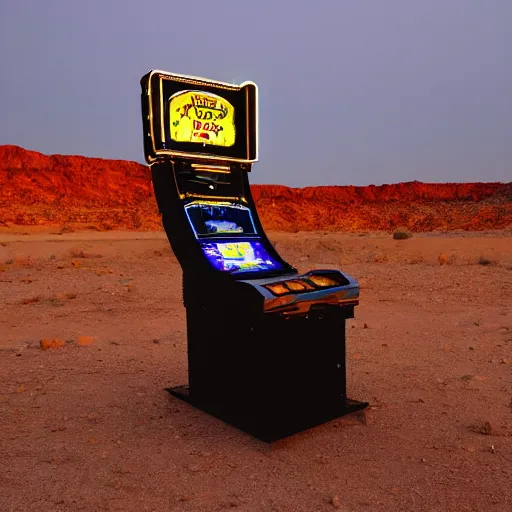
x=247 y=256
x=210 y=219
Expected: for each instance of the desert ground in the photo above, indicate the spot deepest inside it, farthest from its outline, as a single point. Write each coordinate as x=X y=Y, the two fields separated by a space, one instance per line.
x=85 y=424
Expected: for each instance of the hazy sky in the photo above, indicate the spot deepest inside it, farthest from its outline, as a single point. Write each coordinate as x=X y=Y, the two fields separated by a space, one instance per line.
x=351 y=92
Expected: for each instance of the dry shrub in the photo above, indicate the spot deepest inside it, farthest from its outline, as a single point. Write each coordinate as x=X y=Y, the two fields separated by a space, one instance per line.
x=66 y=229
x=401 y=235
x=485 y=261
x=446 y=259
x=56 y=301
x=106 y=226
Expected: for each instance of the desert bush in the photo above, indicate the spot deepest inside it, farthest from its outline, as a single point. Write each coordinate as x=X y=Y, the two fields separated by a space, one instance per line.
x=401 y=235
x=485 y=261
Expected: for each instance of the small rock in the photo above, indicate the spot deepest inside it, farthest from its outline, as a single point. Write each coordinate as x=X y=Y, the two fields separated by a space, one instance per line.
x=33 y=300
x=486 y=429
x=365 y=326
x=471 y=448
x=93 y=416
x=336 y=501
x=47 y=344
x=85 y=341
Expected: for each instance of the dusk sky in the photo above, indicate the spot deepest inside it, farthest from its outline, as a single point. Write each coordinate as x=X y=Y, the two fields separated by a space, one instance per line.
x=351 y=92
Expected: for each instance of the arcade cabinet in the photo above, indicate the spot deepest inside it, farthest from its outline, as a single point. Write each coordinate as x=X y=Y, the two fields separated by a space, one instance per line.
x=266 y=344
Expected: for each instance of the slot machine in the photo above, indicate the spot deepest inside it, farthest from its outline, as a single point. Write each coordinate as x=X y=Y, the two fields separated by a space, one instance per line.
x=266 y=344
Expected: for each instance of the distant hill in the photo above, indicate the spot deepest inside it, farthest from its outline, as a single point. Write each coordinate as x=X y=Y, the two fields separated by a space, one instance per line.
x=37 y=189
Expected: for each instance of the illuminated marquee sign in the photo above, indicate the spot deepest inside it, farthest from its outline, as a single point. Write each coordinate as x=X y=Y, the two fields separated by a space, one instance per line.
x=197 y=118
x=201 y=117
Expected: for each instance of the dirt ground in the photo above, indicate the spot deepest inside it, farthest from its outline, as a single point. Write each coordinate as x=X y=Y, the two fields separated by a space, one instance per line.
x=88 y=426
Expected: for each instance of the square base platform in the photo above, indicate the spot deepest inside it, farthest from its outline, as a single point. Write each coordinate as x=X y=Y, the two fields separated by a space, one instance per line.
x=281 y=422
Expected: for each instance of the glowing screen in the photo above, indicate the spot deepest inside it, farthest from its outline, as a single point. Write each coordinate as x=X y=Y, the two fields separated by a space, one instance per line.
x=239 y=256
x=220 y=219
x=203 y=117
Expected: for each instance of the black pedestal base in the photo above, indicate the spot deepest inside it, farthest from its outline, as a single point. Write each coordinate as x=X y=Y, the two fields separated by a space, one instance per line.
x=271 y=424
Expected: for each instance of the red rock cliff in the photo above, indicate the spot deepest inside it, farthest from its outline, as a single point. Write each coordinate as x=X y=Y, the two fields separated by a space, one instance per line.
x=37 y=189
